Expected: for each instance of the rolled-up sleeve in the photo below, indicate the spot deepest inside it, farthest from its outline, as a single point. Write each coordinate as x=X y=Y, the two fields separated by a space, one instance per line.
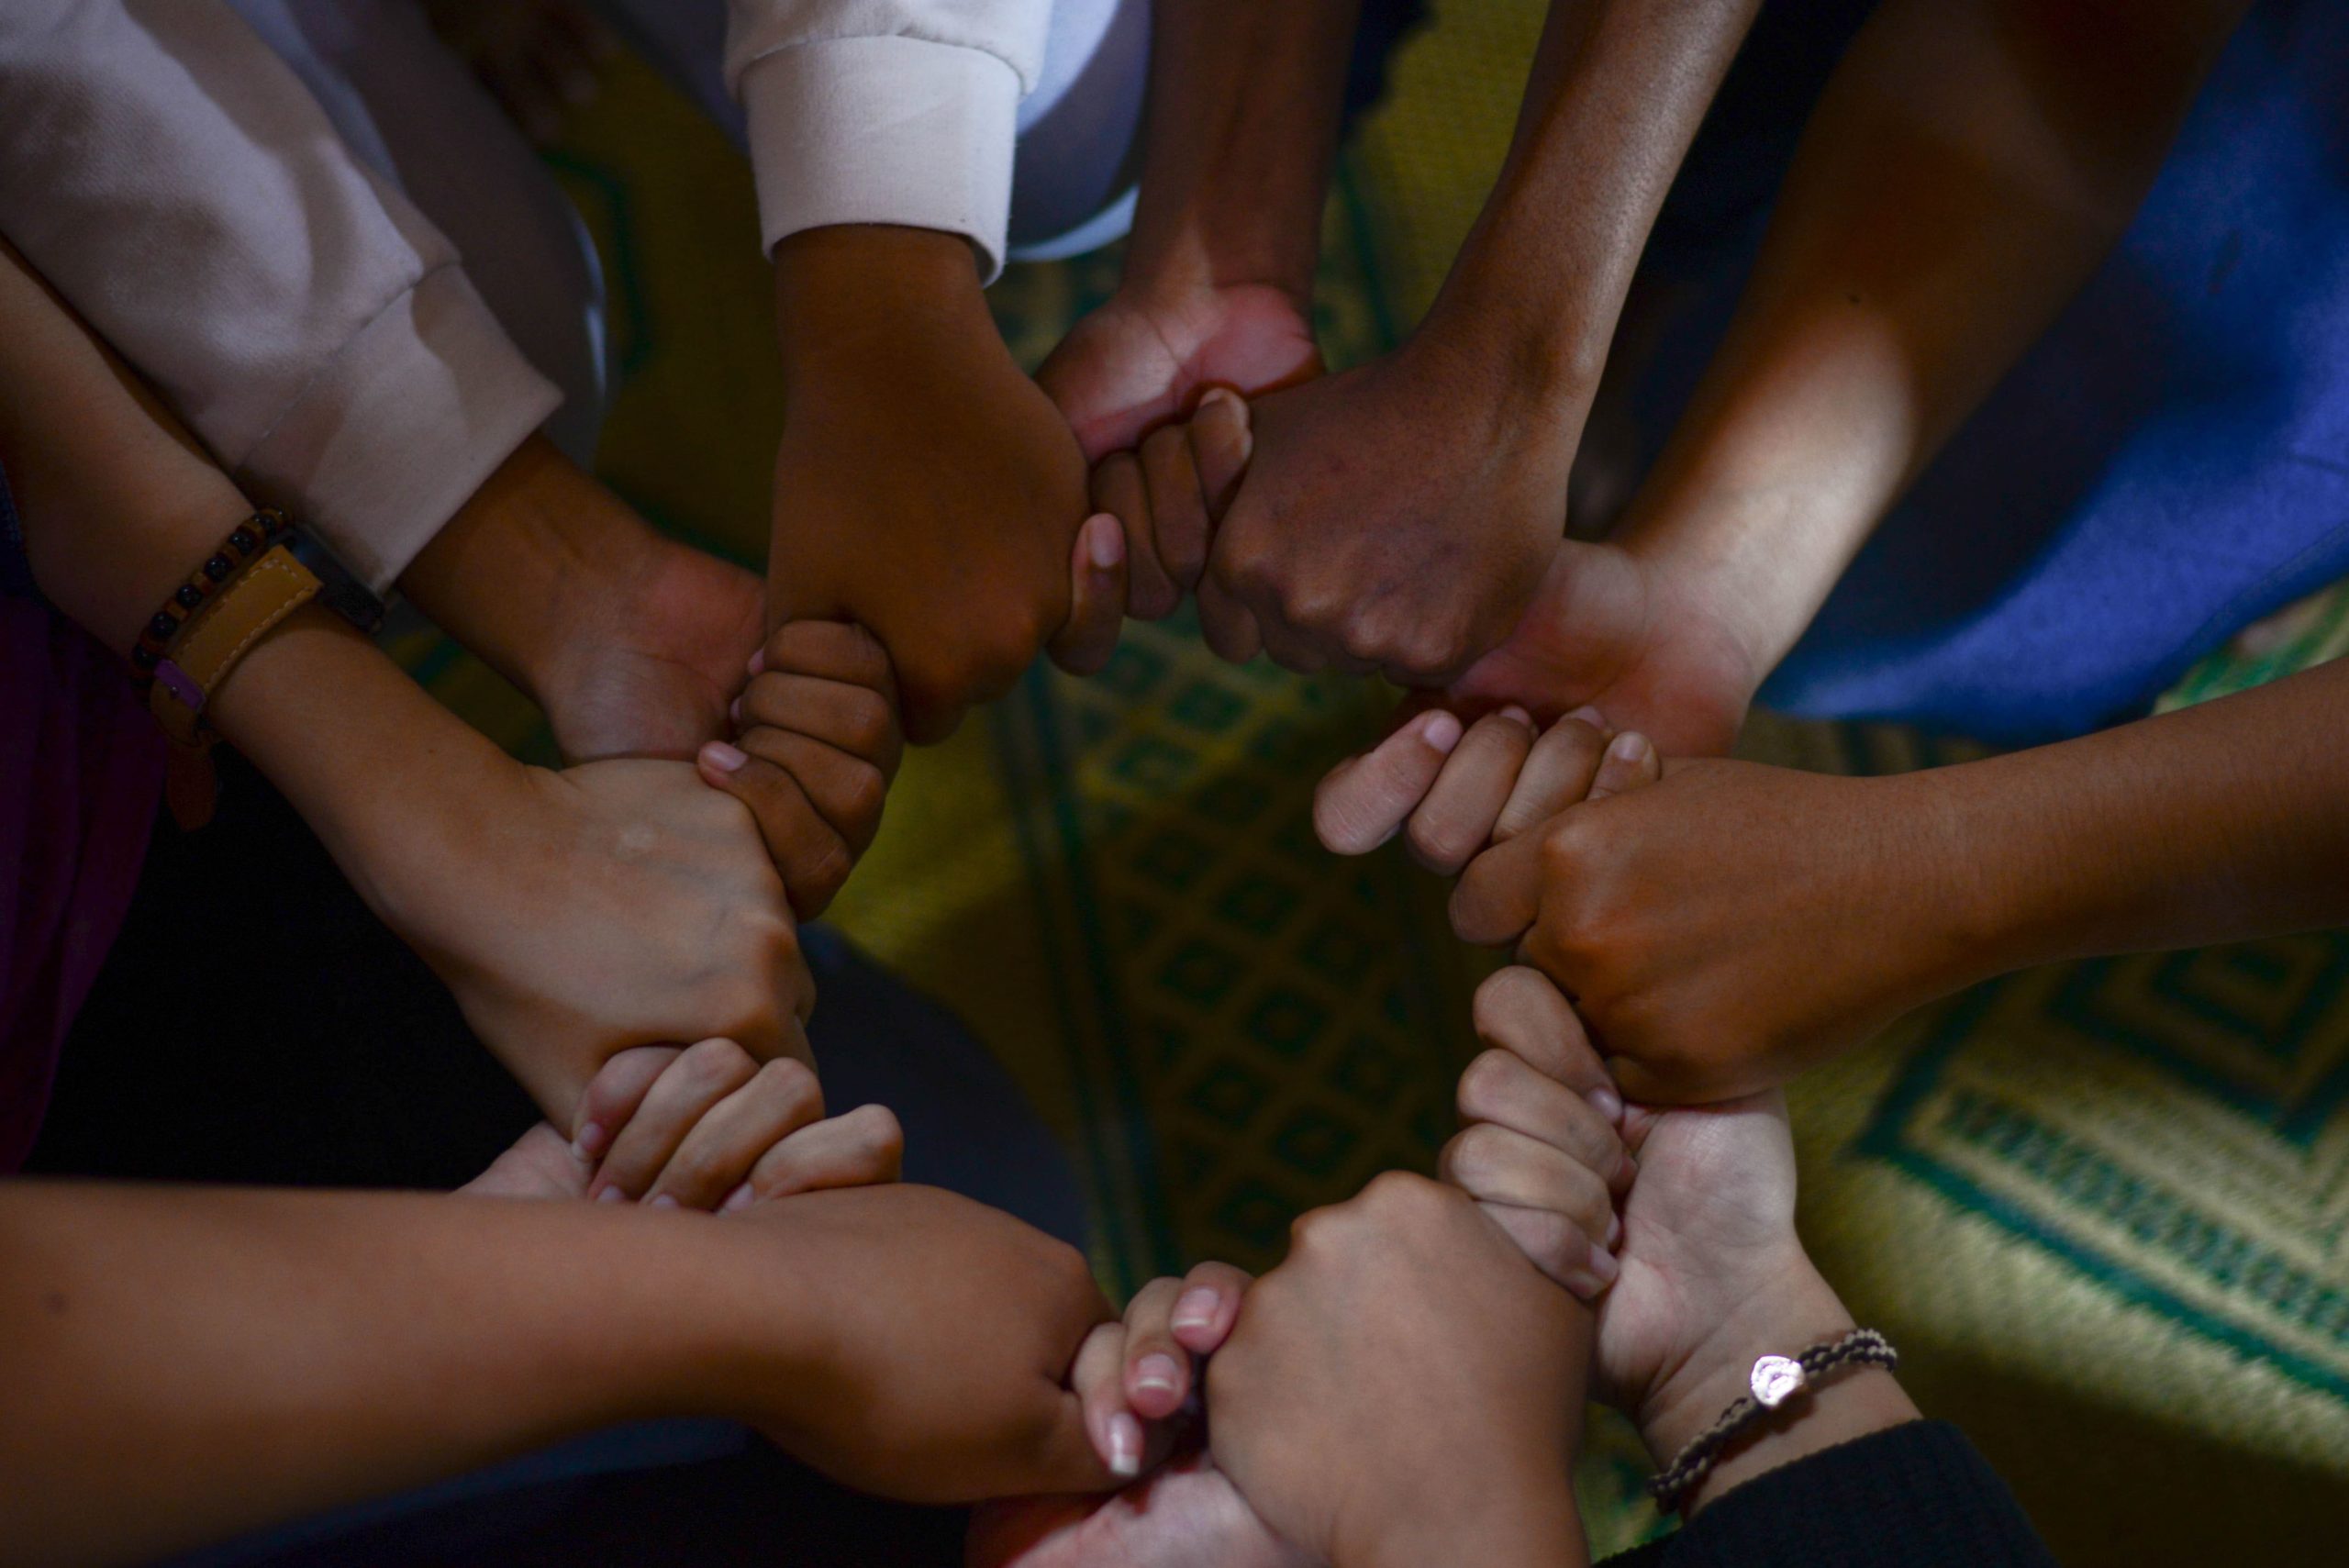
x=885 y=111
x=169 y=176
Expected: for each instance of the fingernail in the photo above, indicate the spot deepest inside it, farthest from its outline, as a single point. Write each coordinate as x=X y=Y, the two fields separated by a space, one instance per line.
x=665 y=1200
x=1607 y=1102
x=611 y=1194
x=1156 y=1372
x=1105 y=542
x=1519 y=714
x=1441 y=733
x=736 y=1200
x=1589 y=714
x=1217 y=395
x=1629 y=748
x=1603 y=1264
x=1195 y=1309
x=1614 y=1232
x=734 y=712
x=590 y=1142
x=724 y=758
x=758 y=659
x=1125 y=1446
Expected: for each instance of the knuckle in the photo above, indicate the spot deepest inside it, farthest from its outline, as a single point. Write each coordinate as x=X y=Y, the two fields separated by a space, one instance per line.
x=882 y=1135
x=865 y=726
x=717 y=1062
x=1485 y=1084
x=1442 y=846
x=793 y=1085
x=864 y=792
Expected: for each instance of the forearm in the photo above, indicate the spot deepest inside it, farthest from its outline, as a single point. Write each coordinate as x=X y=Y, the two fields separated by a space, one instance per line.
x=1617 y=92
x=1243 y=121
x=2222 y=822
x=188 y=1363
x=1966 y=170
x=119 y=507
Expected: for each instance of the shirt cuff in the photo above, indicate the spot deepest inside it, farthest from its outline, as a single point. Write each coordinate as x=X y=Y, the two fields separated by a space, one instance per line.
x=400 y=428
x=883 y=130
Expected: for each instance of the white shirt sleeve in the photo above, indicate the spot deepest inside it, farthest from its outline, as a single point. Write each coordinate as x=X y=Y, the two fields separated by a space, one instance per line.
x=174 y=181
x=885 y=111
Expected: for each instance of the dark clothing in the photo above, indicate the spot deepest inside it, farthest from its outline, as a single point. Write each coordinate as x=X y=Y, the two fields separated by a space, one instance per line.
x=1915 y=1497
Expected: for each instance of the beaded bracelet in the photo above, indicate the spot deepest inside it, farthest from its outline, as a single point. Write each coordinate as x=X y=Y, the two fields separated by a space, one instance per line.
x=246 y=543
x=1774 y=1381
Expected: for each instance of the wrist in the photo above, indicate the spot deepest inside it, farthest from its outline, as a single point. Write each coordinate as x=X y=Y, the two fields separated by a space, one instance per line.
x=1516 y=1514
x=1794 y=1310
x=845 y=291
x=1786 y=1307
x=538 y=562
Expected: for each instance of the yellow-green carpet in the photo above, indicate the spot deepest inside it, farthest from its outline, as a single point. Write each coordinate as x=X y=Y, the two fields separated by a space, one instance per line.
x=2101 y=1207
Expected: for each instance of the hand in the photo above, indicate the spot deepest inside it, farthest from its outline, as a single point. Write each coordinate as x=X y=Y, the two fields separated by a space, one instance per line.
x=816 y=745
x=1723 y=929
x=632 y=643
x=1136 y=1378
x=577 y=914
x=949 y=1330
x=1398 y=517
x=1540 y=1145
x=1135 y=379
x=709 y=1127
x=925 y=489
x=1647 y=646
x=1405 y=1387
x=1461 y=792
x=1711 y=1273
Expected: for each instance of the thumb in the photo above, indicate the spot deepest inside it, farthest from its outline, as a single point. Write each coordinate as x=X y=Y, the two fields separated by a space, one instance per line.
x=1061 y=1458
x=1221 y=442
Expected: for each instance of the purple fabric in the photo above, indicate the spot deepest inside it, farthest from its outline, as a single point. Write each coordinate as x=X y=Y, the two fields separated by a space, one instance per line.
x=80 y=768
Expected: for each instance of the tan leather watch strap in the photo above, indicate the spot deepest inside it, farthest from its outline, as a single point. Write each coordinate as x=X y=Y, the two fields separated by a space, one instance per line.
x=222 y=632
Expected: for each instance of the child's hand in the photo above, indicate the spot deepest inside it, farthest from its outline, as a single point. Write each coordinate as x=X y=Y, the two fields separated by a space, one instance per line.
x=1540 y=1145
x=815 y=744
x=707 y=1126
x=1460 y=792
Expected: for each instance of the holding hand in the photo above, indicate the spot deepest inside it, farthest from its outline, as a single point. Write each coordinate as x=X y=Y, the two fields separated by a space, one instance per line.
x=1712 y=1272
x=711 y=1113
x=1148 y=383
x=815 y=744
x=577 y=914
x=1394 y=518
x=1461 y=791
x=1723 y=929
x=946 y=1375
x=925 y=489
x=1405 y=1388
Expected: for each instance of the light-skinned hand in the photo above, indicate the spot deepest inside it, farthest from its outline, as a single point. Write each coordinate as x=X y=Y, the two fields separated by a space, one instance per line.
x=1405 y=1387
x=575 y=915
x=726 y=1130
x=1460 y=790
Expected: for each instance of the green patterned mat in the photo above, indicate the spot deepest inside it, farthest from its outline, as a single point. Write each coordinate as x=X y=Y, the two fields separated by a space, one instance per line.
x=2102 y=1207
